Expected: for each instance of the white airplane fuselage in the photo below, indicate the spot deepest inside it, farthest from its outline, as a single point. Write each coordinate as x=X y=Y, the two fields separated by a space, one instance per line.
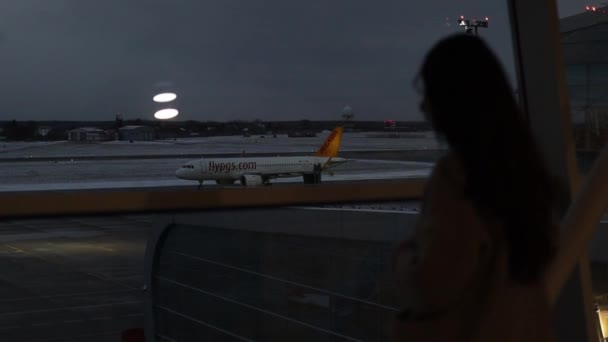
x=257 y=169
x=252 y=171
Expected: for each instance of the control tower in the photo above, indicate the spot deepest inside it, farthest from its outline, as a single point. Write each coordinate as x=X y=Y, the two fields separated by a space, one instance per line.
x=348 y=116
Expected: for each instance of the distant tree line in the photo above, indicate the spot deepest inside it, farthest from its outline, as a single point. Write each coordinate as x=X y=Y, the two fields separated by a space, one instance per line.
x=58 y=130
x=14 y=130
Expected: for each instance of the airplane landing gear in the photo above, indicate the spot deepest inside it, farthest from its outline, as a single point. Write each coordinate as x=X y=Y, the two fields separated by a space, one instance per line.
x=315 y=177
x=200 y=185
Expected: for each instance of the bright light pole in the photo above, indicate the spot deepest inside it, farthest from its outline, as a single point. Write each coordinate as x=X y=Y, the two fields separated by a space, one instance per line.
x=469 y=24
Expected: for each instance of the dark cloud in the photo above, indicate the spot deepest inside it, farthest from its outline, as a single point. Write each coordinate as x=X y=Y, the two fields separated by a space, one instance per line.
x=228 y=59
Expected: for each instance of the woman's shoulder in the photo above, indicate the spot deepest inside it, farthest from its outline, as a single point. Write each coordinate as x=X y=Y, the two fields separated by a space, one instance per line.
x=445 y=198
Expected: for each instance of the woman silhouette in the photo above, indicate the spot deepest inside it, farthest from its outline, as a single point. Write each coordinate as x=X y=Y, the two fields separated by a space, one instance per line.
x=473 y=270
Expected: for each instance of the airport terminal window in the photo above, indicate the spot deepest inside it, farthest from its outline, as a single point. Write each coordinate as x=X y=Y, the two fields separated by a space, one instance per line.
x=253 y=80
x=272 y=79
x=586 y=65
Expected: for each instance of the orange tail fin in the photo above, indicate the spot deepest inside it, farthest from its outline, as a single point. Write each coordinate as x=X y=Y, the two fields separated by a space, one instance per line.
x=331 y=146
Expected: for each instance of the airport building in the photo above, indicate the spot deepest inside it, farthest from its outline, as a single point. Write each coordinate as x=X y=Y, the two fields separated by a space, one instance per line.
x=586 y=58
x=136 y=133
x=88 y=134
x=585 y=54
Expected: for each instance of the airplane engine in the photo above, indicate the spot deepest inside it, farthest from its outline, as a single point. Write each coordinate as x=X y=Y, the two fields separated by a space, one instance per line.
x=252 y=180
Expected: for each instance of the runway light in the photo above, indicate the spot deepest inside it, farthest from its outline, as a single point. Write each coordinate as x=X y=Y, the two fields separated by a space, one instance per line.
x=165 y=97
x=167 y=113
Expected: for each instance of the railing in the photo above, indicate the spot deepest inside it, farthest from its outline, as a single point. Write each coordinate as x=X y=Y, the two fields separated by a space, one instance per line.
x=208 y=275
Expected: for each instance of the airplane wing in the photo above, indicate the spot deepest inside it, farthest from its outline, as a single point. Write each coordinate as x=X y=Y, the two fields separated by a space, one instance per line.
x=326 y=165
x=333 y=162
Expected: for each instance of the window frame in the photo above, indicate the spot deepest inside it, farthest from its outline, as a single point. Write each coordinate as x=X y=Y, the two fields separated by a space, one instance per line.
x=543 y=91
x=529 y=66
x=545 y=100
x=85 y=202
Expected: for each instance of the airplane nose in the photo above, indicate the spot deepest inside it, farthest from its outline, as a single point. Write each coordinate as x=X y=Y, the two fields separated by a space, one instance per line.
x=179 y=173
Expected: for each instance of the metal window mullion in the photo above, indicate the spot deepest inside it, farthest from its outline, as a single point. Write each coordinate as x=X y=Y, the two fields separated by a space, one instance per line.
x=544 y=98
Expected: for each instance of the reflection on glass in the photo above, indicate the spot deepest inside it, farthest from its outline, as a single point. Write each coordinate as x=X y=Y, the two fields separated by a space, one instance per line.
x=167 y=113
x=602 y=315
x=586 y=69
x=164 y=97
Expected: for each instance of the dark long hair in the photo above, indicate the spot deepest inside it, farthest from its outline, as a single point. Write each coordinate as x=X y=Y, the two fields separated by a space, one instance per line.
x=472 y=105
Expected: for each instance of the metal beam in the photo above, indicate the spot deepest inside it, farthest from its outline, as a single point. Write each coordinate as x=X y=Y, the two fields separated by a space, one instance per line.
x=544 y=98
x=59 y=203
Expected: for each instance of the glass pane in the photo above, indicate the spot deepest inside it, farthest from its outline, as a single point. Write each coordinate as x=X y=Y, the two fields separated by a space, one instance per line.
x=261 y=274
x=586 y=65
x=250 y=79
x=72 y=278
x=323 y=274
x=586 y=68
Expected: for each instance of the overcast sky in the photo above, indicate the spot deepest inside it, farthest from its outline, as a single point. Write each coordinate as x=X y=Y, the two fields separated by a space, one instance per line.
x=227 y=59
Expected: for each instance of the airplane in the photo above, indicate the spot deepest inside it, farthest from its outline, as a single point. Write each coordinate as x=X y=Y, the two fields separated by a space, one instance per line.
x=258 y=171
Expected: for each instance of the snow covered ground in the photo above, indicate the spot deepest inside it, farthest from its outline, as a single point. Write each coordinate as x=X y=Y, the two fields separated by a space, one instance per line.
x=210 y=145
x=33 y=175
